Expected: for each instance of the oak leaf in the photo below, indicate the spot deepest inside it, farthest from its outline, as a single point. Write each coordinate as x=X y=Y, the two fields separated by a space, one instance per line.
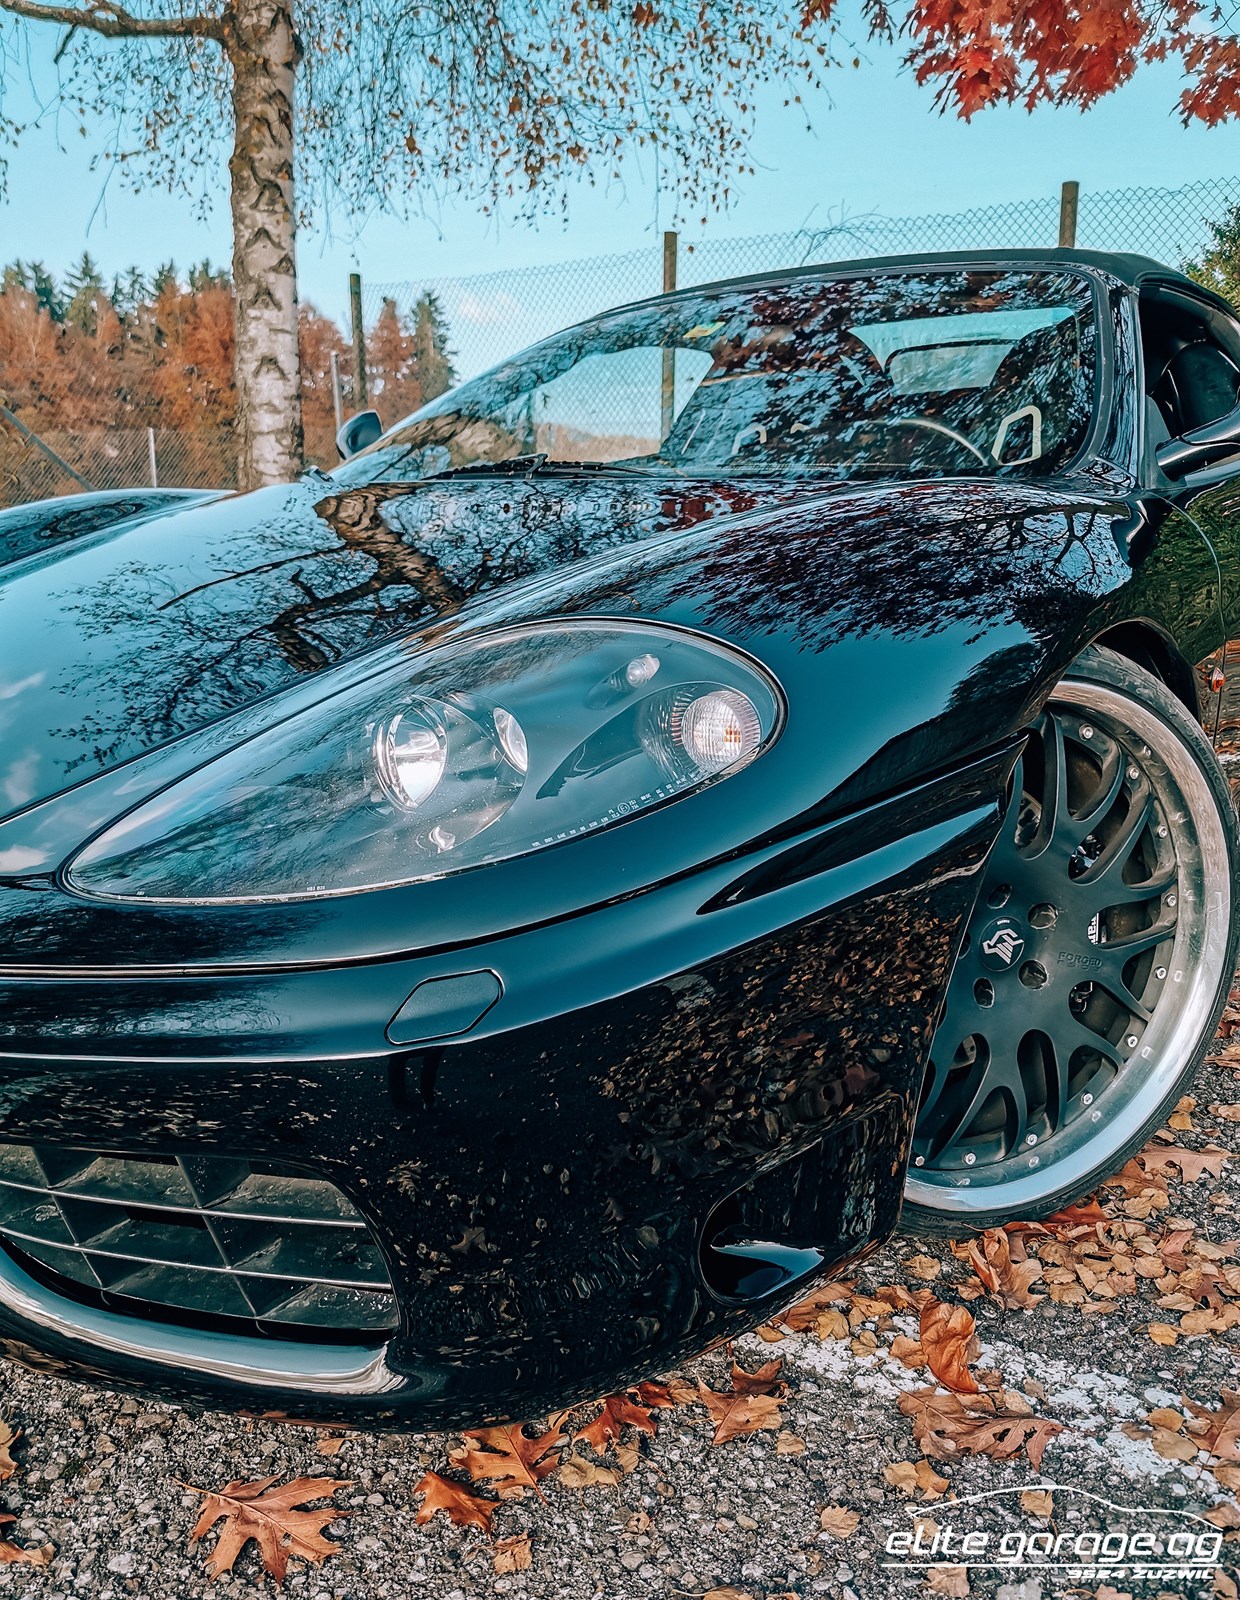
x=580 y=1473
x=916 y=1477
x=661 y=1396
x=466 y=1509
x=753 y=1404
x=1159 y=1158
x=272 y=1516
x=509 y=1458
x=512 y=1554
x=839 y=1521
x=948 y=1339
x=950 y=1425
x=1220 y=1434
x=617 y=1413
x=8 y=1438
x=1006 y=1281
x=21 y=1554
x=952 y=1581
x=805 y=1314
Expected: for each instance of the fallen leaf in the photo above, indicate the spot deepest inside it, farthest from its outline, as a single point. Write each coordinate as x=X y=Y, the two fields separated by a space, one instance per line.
x=1006 y=1281
x=1225 y=1516
x=771 y=1333
x=916 y=1477
x=627 y=1456
x=839 y=1521
x=1225 y=1587
x=727 y=1593
x=1038 y=1502
x=1164 y=1417
x=272 y=1518
x=579 y=1473
x=923 y=1266
x=1229 y=1113
x=618 y=1412
x=1181 y=1119
x=1219 y=1430
x=788 y=1444
x=639 y=1522
x=908 y=1351
x=735 y=1415
x=512 y=1554
x=8 y=1438
x=20 y=1554
x=663 y=1396
x=948 y=1580
x=1160 y=1158
x=1228 y=1476
x=328 y=1447
x=765 y=1380
x=509 y=1458
x=950 y=1425
x=463 y=1507
x=947 y=1337
x=1163 y=1333
x=803 y=1316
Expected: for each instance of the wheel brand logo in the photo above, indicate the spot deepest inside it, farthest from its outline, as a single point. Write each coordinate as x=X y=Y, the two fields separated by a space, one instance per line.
x=1004 y=944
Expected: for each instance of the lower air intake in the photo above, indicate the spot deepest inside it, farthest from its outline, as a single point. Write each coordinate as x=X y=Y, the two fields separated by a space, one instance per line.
x=200 y=1237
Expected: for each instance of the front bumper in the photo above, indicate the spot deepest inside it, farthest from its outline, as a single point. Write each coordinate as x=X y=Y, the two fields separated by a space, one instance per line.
x=734 y=1056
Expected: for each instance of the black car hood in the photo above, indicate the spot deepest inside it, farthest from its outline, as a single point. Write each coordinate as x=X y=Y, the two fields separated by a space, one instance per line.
x=115 y=643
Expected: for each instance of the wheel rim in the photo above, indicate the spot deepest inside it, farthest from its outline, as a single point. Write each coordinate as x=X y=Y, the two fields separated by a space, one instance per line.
x=1090 y=967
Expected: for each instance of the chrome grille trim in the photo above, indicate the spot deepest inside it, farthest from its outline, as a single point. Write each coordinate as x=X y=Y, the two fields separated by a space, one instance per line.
x=272 y=1251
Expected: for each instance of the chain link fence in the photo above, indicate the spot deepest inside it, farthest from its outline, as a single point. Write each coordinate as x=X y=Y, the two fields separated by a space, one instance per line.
x=87 y=428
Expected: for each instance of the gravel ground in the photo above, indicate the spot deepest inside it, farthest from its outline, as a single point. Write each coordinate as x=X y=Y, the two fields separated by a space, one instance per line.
x=102 y=1476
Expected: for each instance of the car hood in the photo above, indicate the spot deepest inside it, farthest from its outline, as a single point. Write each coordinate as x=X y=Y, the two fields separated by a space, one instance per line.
x=117 y=642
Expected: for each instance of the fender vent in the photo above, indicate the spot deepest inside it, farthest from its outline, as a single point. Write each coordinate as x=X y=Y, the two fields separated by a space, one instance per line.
x=200 y=1237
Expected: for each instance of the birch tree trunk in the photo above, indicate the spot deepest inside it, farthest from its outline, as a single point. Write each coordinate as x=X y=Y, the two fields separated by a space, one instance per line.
x=264 y=51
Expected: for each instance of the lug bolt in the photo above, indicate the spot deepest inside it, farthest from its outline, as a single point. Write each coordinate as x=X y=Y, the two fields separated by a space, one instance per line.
x=1170 y=899
x=1086 y=731
x=1035 y=1161
x=1133 y=773
x=969 y=1158
x=1132 y=1041
x=1160 y=973
x=1031 y=1138
x=1162 y=833
x=1087 y=1099
x=919 y=1161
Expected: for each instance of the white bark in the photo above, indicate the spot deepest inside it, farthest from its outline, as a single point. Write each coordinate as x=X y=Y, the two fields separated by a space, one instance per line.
x=263 y=50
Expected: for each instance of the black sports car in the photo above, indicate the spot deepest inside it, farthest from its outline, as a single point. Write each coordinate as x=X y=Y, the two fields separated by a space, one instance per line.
x=480 y=925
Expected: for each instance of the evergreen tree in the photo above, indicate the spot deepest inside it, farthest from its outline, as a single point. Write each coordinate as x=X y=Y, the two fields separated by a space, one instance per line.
x=432 y=357
x=45 y=290
x=165 y=280
x=83 y=289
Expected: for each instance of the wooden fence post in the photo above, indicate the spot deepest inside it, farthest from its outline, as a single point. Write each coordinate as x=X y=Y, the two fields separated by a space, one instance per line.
x=667 y=407
x=359 y=342
x=1068 y=196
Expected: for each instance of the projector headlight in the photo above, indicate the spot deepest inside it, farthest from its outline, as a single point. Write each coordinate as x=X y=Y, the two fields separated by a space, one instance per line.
x=473 y=752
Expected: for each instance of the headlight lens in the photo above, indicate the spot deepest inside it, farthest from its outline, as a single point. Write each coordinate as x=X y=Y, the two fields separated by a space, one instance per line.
x=471 y=753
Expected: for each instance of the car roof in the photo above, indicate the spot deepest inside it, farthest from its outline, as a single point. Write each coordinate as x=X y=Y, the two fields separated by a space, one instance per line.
x=1122 y=267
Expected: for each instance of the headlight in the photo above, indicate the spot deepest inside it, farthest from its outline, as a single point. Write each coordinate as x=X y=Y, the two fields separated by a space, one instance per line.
x=471 y=753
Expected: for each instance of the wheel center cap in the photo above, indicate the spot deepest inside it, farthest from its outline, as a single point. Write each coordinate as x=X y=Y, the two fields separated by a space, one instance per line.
x=1002 y=944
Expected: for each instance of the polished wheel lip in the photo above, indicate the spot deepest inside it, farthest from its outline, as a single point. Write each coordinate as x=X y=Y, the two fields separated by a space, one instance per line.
x=1199 y=953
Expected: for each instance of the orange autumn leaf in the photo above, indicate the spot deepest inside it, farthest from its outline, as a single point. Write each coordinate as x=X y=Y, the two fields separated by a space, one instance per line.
x=1006 y=1280
x=22 y=1554
x=273 y=1517
x=1218 y=1431
x=1160 y=1158
x=753 y=1404
x=508 y=1457
x=618 y=1412
x=948 y=1339
x=947 y=1426
x=466 y=1509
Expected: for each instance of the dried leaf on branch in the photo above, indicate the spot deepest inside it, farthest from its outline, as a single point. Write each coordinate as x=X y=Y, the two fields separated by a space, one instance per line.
x=274 y=1517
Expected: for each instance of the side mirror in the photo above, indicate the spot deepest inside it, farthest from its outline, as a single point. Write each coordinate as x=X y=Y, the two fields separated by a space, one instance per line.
x=1203 y=447
x=357 y=433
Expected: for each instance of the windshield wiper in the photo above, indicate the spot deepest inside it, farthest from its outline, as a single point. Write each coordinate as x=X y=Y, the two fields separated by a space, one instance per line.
x=512 y=466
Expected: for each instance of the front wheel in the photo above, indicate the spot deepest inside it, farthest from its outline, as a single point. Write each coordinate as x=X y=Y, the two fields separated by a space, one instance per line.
x=1096 y=963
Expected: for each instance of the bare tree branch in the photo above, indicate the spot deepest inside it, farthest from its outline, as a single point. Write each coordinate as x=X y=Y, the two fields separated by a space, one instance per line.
x=102 y=16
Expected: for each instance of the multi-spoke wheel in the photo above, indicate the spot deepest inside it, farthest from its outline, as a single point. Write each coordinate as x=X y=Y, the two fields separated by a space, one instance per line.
x=1096 y=962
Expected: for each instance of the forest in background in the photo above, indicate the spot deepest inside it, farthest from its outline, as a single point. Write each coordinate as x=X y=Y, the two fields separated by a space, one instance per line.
x=83 y=358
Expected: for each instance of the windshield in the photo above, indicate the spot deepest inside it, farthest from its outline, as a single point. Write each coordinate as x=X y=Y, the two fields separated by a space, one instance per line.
x=915 y=375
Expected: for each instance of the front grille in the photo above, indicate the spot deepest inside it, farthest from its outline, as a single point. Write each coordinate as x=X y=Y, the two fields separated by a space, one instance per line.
x=203 y=1237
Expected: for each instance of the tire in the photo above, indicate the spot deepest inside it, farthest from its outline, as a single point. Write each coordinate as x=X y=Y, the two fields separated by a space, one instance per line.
x=1095 y=965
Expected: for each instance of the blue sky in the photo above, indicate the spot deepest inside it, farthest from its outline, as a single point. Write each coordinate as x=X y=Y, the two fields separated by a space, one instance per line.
x=877 y=145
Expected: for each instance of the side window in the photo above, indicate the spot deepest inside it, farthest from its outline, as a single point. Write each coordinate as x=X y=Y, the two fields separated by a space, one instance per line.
x=1192 y=364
